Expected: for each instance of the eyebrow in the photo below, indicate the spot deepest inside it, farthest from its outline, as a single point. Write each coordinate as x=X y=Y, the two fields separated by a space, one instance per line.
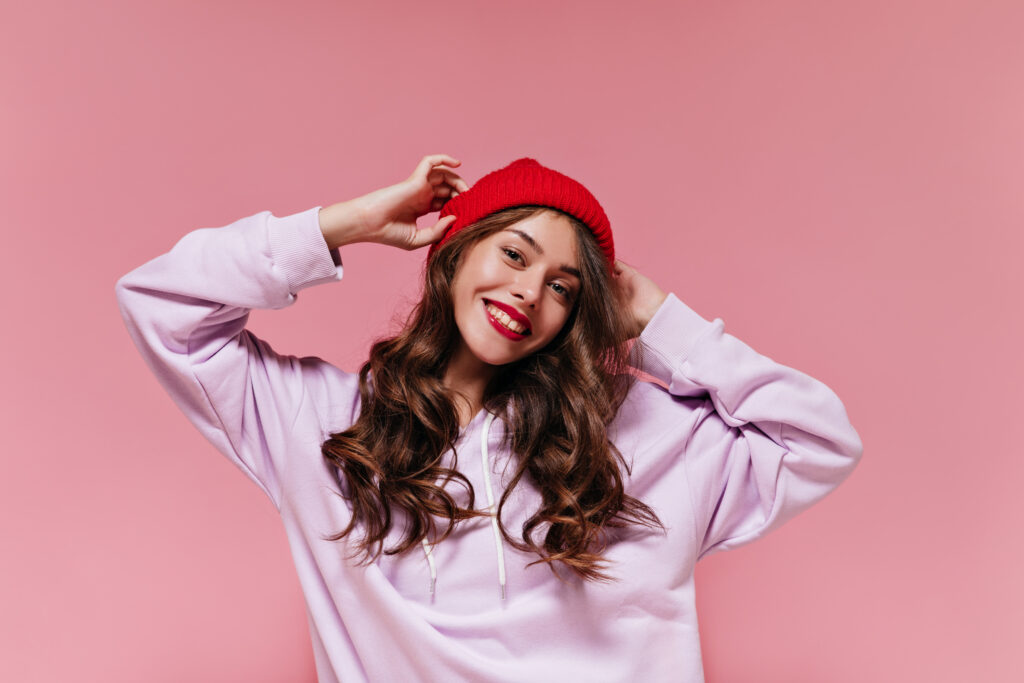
x=533 y=243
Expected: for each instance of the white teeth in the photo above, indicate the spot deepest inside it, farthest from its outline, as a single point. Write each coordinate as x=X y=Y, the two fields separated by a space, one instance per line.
x=503 y=317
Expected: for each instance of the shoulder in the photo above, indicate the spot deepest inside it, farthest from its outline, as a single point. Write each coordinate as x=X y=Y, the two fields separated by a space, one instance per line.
x=650 y=413
x=651 y=430
x=334 y=393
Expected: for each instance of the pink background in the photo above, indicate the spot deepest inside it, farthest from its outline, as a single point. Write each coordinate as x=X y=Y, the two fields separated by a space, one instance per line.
x=840 y=182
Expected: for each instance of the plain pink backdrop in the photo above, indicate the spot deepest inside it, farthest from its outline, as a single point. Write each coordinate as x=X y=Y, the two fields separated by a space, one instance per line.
x=840 y=182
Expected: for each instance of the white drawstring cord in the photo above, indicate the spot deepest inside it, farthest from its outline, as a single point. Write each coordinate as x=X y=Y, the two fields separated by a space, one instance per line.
x=490 y=502
x=433 y=567
x=490 y=506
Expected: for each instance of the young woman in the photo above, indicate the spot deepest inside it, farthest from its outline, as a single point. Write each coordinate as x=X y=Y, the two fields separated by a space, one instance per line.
x=495 y=496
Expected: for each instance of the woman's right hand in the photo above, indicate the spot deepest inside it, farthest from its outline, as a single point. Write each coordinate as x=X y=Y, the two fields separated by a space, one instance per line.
x=388 y=215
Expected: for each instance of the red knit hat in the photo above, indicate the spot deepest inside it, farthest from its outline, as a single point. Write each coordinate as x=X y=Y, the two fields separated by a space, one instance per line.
x=523 y=182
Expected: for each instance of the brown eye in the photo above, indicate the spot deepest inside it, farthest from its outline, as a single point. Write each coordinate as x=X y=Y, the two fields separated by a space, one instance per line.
x=511 y=253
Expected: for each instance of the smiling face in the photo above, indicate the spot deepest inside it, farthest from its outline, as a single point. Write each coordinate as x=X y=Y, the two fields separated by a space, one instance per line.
x=515 y=289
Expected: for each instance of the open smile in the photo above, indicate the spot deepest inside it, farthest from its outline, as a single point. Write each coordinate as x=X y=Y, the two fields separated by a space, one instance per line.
x=504 y=323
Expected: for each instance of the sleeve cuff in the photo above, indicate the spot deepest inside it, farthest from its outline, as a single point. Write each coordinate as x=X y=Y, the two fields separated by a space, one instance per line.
x=669 y=337
x=299 y=250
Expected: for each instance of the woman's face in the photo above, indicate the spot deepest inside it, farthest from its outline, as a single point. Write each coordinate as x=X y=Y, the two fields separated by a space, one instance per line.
x=514 y=289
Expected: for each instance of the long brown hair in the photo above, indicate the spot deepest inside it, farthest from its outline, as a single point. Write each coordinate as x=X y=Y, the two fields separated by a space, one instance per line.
x=560 y=400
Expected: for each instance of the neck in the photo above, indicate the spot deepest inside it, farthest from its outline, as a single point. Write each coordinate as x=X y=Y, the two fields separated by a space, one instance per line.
x=466 y=377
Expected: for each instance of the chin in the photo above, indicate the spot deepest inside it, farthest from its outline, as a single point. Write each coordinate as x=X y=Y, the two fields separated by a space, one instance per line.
x=498 y=361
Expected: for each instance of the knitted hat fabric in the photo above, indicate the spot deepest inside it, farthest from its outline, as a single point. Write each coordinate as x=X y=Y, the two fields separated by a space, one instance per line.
x=525 y=181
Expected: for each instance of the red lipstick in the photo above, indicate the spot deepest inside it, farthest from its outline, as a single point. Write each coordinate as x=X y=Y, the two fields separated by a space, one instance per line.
x=515 y=336
x=512 y=313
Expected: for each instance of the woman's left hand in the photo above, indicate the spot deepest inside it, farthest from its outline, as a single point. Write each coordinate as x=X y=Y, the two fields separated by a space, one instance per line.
x=638 y=294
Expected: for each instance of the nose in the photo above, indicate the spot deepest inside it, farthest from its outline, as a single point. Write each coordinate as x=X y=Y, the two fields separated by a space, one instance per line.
x=527 y=287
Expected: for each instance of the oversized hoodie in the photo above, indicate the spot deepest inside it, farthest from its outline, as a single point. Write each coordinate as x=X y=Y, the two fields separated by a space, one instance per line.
x=732 y=446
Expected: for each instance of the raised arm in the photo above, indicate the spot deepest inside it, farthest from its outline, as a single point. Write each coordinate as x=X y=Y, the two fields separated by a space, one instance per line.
x=187 y=310
x=769 y=442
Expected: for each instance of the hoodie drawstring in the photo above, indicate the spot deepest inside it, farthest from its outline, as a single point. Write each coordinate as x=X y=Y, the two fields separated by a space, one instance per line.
x=433 y=567
x=499 y=547
x=490 y=501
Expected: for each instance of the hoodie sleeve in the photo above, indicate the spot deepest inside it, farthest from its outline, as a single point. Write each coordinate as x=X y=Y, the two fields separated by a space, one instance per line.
x=186 y=311
x=768 y=441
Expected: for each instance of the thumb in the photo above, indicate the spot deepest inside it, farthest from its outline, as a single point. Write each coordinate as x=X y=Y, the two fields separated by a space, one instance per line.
x=433 y=233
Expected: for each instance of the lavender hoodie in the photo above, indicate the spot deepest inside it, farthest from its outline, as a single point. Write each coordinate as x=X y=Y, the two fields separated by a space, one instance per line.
x=736 y=445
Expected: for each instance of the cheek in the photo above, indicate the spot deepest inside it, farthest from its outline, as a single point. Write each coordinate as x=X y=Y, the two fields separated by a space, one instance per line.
x=476 y=275
x=490 y=274
x=555 y=321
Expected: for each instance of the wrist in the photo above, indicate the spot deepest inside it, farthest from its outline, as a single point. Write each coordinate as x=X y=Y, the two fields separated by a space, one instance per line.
x=652 y=307
x=342 y=223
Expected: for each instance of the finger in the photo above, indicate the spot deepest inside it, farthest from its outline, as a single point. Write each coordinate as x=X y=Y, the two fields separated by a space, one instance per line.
x=437 y=203
x=448 y=187
x=441 y=174
x=455 y=182
x=433 y=233
x=455 y=187
x=427 y=164
x=444 y=158
x=432 y=160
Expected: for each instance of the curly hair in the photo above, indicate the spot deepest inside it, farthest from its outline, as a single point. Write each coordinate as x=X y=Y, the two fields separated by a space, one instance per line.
x=559 y=399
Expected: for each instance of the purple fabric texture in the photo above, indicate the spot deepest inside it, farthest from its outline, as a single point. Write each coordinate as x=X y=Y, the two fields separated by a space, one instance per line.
x=733 y=447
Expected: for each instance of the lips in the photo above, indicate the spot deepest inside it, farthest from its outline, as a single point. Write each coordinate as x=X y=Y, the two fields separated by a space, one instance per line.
x=512 y=313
